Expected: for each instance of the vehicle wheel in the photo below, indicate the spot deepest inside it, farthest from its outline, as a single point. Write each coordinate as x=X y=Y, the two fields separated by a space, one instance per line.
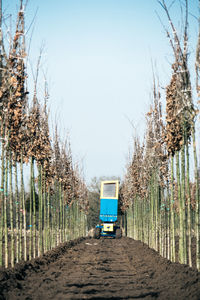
x=97 y=233
x=118 y=233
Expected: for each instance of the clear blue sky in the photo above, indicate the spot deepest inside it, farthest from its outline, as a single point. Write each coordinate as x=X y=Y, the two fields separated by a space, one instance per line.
x=98 y=61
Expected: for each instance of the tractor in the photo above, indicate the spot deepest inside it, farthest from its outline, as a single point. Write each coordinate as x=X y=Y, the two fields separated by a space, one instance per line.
x=109 y=196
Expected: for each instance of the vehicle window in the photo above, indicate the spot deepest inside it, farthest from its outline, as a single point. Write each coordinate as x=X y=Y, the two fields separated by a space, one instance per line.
x=109 y=190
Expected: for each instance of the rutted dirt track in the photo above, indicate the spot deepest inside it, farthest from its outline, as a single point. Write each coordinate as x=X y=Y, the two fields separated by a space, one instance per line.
x=100 y=269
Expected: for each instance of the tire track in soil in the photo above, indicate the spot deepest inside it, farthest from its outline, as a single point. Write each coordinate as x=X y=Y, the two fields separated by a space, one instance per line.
x=100 y=269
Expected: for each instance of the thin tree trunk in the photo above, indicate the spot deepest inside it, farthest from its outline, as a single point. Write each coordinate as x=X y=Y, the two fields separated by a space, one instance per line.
x=30 y=209
x=188 y=208
x=55 y=215
x=57 y=208
x=17 y=209
x=48 y=220
x=5 y=212
x=172 y=225
x=60 y=212
x=11 y=210
x=197 y=221
x=34 y=209
x=156 y=203
x=23 y=207
x=181 y=250
x=45 y=210
x=182 y=214
x=168 y=223
x=40 y=212
x=153 y=242
x=2 y=202
x=63 y=216
x=20 y=220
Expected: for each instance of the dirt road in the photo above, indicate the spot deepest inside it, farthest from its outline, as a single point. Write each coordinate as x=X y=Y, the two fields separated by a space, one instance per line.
x=100 y=269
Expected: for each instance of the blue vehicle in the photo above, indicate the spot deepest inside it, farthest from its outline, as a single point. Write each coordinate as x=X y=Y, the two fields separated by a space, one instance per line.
x=109 y=210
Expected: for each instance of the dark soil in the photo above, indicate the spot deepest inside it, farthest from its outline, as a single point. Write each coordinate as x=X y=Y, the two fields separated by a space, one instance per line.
x=100 y=269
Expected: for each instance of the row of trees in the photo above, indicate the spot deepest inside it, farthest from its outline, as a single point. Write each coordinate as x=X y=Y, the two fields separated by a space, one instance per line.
x=51 y=208
x=161 y=186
